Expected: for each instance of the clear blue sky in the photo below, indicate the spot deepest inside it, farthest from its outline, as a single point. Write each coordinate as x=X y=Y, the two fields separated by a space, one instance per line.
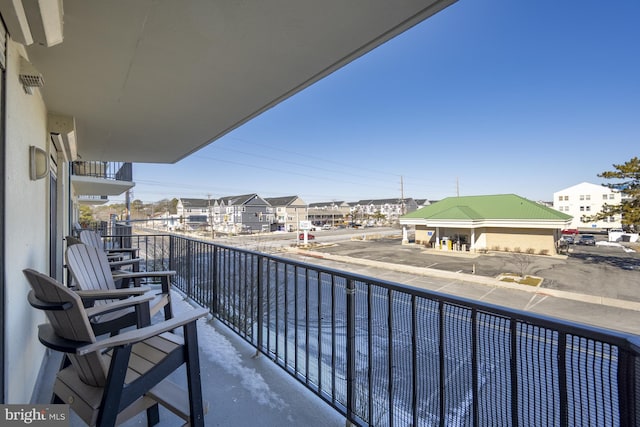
x=486 y=97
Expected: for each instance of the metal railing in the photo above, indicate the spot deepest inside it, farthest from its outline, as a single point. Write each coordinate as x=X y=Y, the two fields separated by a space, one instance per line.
x=382 y=353
x=108 y=170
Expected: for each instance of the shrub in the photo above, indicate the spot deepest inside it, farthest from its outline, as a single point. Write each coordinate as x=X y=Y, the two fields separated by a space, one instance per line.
x=543 y=252
x=506 y=249
x=517 y=249
x=531 y=251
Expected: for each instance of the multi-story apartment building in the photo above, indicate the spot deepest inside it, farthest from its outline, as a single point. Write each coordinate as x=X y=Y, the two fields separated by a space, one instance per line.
x=194 y=212
x=288 y=211
x=583 y=201
x=387 y=210
x=333 y=213
x=244 y=213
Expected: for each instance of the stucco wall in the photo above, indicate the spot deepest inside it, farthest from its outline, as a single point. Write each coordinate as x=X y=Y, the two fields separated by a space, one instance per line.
x=422 y=235
x=26 y=243
x=505 y=239
x=537 y=240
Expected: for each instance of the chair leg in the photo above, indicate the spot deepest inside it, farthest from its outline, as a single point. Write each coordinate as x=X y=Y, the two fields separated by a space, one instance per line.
x=196 y=410
x=113 y=390
x=153 y=415
x=168 y=312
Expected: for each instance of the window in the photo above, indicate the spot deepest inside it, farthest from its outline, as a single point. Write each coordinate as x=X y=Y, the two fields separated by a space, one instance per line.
x=581 y=208
x=588 y=208
x=612 y=196
x=604 y=197
x=566 y=198
x=588 y=197
x=582 y=197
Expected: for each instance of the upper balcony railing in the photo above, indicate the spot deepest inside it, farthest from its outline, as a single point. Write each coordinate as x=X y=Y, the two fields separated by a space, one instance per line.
x=107 y=170
x=382 y=353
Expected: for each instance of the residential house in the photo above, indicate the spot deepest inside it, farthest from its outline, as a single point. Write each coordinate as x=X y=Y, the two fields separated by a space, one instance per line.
x=424 y=202
x=244 y=213
x=383 y=210
x=504 y=222
x=583 y=201
x=194 y=213
x=288 y=211
x=333 y=213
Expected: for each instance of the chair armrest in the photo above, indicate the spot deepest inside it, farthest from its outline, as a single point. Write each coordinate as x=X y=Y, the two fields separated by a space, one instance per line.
x=99 y=294
x=124 y=262
x=121 y=250
x=142 y=274
x=118 y=305
x=137 y=335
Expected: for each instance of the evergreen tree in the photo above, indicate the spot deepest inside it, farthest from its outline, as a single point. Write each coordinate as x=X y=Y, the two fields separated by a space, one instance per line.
x=628 y=183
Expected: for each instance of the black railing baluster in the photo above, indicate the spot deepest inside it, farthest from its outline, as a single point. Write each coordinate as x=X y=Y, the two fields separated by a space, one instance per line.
x=513 y=340
x=441 y=365
x=259 y=291
x=474 y=368
x=562 y=379
x=350 y=302
x=390 y=355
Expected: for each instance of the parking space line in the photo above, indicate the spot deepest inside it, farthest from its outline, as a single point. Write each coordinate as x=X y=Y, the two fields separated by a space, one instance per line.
x=487 y=293
x=529 y=305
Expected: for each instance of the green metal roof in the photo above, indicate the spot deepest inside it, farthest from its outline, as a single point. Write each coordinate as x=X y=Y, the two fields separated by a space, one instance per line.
x=500 y=206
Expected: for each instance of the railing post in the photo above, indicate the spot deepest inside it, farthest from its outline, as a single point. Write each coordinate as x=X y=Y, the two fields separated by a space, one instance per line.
x=172 y=248
x=628 y=387
x=214 y=283
x=188 y=263
x=351 y=349
x=260 y=298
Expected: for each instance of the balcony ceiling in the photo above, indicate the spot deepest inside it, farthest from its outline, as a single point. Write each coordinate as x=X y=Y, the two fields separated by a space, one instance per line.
x=154 y=81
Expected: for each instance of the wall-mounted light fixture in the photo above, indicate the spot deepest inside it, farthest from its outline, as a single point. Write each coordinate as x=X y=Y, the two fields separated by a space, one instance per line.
x=29 y=76
x=38 y=164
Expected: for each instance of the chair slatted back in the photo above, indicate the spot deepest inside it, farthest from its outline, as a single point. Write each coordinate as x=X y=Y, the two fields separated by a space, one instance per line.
x=72 y=324
x=91 y=238
x=89 y=267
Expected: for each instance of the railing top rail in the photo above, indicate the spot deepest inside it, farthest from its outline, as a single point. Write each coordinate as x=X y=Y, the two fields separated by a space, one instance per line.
x=623 y=340
x=120 y=171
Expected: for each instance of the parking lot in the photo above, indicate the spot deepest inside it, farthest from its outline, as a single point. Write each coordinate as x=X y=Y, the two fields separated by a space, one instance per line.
x=607 y=271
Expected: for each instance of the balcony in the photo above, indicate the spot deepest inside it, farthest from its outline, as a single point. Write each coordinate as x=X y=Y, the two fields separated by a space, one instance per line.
x=95 y=178
x=381 y=353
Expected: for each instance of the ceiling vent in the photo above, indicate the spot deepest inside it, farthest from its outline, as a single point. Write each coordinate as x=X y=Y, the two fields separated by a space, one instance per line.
x=29 y=76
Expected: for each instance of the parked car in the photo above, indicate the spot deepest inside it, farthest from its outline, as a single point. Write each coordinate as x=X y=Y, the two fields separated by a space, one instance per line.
x=573 y=231
x=326 y=227
x=309 y=236
x=587 y=239
x=568 y=239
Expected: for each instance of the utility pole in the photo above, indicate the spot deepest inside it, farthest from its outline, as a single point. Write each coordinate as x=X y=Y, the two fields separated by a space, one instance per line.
x=402 y=195
x=457 y=187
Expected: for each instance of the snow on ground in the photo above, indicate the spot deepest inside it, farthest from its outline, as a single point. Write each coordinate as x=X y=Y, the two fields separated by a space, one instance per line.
x=219 y=350
x=614 y=244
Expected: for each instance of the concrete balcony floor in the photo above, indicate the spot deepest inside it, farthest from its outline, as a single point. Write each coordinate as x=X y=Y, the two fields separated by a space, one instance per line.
x=241 y=389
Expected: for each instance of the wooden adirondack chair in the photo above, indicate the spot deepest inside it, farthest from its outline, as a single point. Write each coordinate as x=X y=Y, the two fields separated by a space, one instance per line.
x=111 y=380
x=92 y=238
x=91 y=272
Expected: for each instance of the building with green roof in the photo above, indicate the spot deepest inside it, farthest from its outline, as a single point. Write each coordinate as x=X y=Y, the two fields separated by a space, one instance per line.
x=505 y=222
